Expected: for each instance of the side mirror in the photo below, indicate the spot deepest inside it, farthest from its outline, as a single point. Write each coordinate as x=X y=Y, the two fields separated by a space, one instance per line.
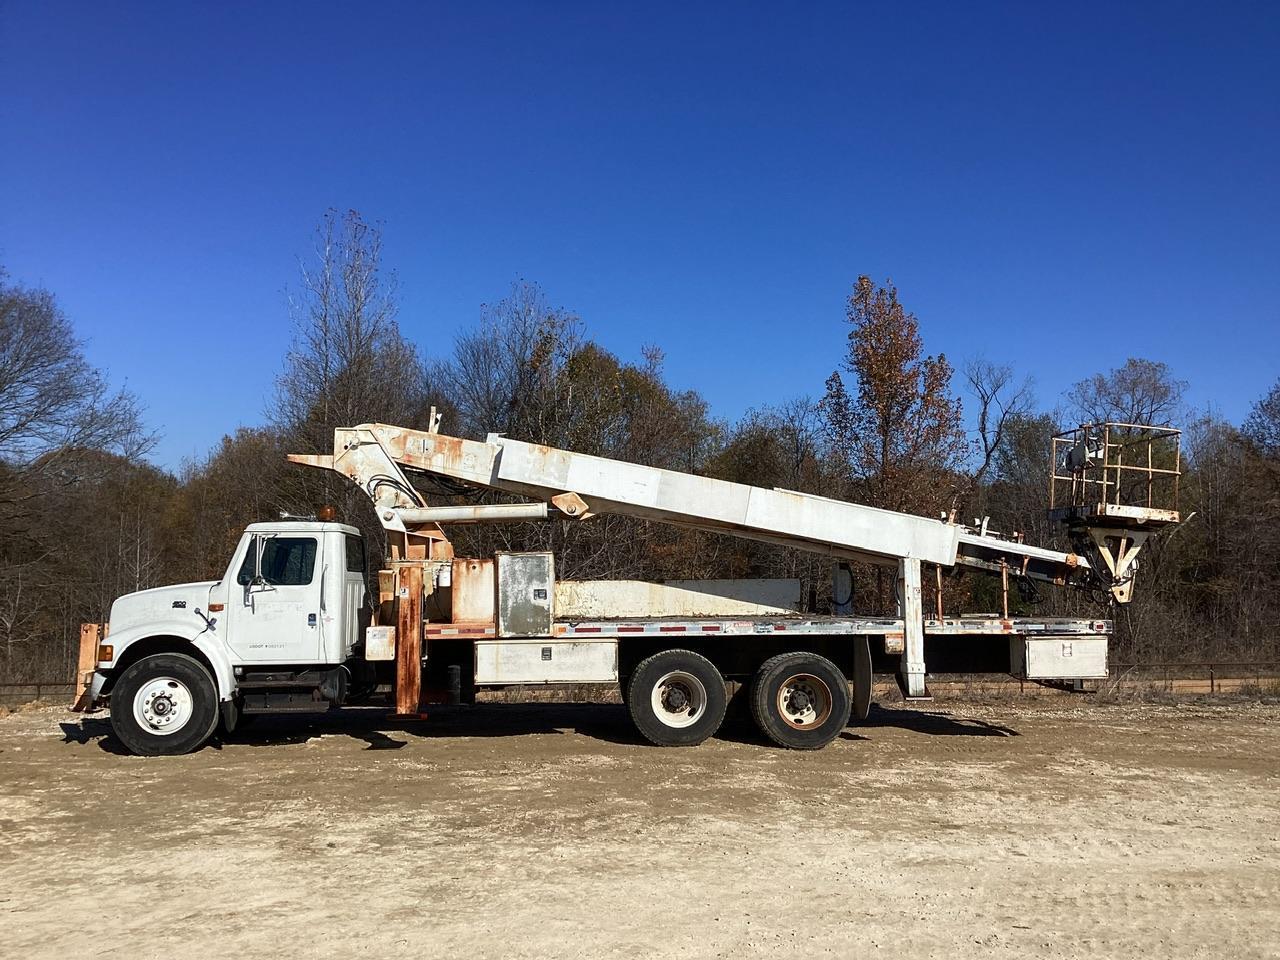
x=257 y=581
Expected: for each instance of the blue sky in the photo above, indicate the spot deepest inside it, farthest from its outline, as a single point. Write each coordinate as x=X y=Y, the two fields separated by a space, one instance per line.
x=1054 y=187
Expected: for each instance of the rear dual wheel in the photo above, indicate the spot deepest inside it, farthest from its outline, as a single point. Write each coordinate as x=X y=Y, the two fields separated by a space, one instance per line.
x=676 y=698
x=800 y=700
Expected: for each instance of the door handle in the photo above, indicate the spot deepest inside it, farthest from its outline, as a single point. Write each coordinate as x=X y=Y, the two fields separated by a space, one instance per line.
x=311 y=619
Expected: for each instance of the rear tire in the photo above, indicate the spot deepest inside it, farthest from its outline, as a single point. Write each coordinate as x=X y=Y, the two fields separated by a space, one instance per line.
x=164 y=705
x=800 y=700
x=676 y=698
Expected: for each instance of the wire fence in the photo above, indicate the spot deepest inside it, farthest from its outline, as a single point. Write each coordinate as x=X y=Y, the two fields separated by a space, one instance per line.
x=1200 y=676
x=16 y=694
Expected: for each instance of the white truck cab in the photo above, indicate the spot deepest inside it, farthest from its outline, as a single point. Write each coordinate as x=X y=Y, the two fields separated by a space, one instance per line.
x=278 y=632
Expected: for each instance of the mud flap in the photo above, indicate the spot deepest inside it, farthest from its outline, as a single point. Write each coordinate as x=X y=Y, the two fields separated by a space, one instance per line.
x=861 y=677
x=230 y=712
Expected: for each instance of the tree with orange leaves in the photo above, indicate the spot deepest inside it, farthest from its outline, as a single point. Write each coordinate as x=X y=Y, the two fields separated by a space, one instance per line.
x=899 y=434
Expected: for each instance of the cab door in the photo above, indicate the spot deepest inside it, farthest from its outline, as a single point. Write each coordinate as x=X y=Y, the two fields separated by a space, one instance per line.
x=355 y=610
x=275 y=602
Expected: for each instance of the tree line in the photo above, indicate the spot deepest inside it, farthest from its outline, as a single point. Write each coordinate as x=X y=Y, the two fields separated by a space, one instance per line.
x=85 y=517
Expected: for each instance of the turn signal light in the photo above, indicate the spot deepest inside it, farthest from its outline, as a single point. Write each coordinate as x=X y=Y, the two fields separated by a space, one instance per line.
x=216 y=607
x=106 y=652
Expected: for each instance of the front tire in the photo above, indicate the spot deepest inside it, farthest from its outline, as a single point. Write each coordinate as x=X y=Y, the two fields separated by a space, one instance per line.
x=676 y=698
x=800 y=700
x=164 y=705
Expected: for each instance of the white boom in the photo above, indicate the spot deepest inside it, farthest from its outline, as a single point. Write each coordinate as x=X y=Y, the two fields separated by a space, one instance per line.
x=374 y=456
x=579 y=485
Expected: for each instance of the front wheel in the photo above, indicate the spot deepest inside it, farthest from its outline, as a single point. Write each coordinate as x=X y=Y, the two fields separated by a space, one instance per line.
x=676 y=698
x=800 y=700
x=164 y=705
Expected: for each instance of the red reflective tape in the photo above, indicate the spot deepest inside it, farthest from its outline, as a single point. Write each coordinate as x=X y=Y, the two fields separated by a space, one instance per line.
x=586 y=629
x=779 y=626
x=630 y=629
x=667 y=629
x=711 y=626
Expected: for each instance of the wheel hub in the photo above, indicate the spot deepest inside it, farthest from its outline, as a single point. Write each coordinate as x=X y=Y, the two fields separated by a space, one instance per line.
x=804 y=701
x=675 y=698
x=678 y=699
x=163 y=705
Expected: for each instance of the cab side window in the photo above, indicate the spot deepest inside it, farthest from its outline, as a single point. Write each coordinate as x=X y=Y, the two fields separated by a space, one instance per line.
x=355 y=554
x=286 y=562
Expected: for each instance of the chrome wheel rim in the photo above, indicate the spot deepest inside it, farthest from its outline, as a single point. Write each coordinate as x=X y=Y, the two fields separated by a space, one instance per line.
x=163 y=706
x=678 y=699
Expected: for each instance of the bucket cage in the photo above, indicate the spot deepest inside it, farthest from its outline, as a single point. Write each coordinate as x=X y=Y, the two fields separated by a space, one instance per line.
x=1114 y=485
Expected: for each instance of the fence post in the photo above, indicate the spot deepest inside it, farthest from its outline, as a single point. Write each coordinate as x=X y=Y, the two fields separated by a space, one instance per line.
x=1212 y=686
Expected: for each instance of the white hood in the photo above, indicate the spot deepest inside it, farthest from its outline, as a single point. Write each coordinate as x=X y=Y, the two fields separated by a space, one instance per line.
x=178 y=602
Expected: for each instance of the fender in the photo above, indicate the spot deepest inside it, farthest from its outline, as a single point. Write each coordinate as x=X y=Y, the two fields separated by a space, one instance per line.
x=203 y=639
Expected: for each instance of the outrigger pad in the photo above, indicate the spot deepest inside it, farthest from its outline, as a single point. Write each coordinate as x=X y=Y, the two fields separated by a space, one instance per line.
x=902 y=686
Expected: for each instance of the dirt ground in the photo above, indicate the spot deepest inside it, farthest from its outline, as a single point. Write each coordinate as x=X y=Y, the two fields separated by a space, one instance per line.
x=950 y=830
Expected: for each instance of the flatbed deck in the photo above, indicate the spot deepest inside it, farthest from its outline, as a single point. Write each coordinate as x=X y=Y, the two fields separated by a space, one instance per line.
x=800 y=624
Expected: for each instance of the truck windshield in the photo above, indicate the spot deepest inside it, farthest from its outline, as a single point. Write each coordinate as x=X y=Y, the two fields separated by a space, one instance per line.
x=286 y=562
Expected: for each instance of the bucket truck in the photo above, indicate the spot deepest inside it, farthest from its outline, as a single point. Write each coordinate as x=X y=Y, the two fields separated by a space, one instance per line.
x=292 y=626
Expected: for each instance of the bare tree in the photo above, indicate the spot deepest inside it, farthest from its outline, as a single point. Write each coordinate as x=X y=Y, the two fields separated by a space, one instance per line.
x=57 y=417
x=349 y=362
x=505 y=372
x=52 y=401
x=1141 y=391
x=1000 y=397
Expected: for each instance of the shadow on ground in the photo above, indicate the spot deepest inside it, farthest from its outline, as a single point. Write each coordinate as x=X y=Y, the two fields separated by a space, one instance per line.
x=605 y=722
x=933 y=722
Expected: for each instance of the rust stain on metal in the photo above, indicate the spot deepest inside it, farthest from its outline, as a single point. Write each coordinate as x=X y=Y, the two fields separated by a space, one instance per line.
x=409 y=639
x=473 y=591
x=444 y=449
x=91 y=634
x=571 y=505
